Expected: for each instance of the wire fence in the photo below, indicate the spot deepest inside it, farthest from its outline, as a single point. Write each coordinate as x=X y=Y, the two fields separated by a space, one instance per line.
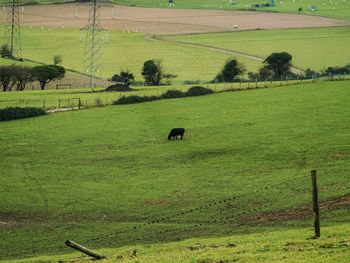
x=74 y=99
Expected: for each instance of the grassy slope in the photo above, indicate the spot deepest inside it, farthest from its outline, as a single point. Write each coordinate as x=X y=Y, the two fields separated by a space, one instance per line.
x=334 y=8
x=281 y=246
x=84 y=174
x=314 y=48
x=189 y=63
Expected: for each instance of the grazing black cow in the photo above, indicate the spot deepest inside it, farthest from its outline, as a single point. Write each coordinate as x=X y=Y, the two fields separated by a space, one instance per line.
x=174 y=133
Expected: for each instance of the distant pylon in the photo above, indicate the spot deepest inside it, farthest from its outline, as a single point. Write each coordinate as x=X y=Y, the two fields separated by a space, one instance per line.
x=93 y=52
x=13 y=28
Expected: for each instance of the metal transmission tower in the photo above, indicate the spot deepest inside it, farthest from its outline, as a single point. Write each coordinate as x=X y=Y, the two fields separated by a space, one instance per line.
x=13 y=27
x=93 y=45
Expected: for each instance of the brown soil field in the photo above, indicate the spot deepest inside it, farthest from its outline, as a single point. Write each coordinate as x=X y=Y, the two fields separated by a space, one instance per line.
x=167 y=21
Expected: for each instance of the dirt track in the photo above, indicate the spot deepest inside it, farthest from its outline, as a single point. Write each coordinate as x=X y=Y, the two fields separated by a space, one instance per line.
x=167 y=21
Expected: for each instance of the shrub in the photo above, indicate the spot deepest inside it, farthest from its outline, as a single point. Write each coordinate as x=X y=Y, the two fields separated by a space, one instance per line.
x=134 y=99
x=172 y=94
x=5 y=52
x=191 y=82
x=98 y=102
x=198 y=91
x=124 y=77
x=15 y=113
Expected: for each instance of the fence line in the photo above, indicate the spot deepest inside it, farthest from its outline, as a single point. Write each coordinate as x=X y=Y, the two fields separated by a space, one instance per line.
x=99 y=101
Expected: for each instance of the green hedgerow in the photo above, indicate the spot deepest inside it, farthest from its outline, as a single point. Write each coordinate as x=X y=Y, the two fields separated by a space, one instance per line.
x=15 y=113
x=198 y=91
x=172 y=94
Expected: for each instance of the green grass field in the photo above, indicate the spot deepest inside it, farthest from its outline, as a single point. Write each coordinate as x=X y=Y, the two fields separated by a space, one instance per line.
x=333 y=8
x=100 y=173
x=53 y=99
x=189 y=63
x=272 y=246
x=315 y=48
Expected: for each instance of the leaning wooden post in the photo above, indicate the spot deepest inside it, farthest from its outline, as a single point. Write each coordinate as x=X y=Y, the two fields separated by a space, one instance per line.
x=84 y=250
x=316 y=208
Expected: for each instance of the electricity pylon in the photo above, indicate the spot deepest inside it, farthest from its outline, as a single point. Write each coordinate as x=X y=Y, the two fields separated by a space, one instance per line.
x=93 y=46
x=13 y=28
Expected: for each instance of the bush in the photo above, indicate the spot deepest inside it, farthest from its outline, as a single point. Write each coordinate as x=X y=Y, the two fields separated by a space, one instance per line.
x=192 y=82
x=124 y=77
x=134 y=99
x=5 y=52
x=98 y=102
x=172 y=94
x=198 y=91
x=8 y=114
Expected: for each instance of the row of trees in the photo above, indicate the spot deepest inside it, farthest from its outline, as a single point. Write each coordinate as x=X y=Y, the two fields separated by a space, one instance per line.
x=274 y=67
x=17 y=77
x=152 y=71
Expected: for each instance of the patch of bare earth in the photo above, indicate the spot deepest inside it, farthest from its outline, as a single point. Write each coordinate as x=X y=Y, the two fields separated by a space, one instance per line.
x=167 y=21
x=7 y=220
x=157 y=202
x=301 y=211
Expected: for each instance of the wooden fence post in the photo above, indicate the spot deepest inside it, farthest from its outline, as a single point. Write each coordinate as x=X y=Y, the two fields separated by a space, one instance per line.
x=316 y=208
x=85 y=250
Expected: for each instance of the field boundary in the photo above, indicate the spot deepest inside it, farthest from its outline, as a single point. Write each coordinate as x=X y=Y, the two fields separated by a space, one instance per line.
x=295 y=70
x=62 y=103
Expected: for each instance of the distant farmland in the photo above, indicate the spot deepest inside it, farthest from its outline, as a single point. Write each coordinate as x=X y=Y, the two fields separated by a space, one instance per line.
x=334 y=8
x=311 y=48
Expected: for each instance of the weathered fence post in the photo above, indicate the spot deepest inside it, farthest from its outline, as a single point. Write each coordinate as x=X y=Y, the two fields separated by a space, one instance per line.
x=85 y=250
x=316 y=208
x=79 y=104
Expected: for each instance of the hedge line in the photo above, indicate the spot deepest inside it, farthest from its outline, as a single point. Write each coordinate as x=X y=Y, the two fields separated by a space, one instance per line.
x=14 y=113
x=170 y=94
